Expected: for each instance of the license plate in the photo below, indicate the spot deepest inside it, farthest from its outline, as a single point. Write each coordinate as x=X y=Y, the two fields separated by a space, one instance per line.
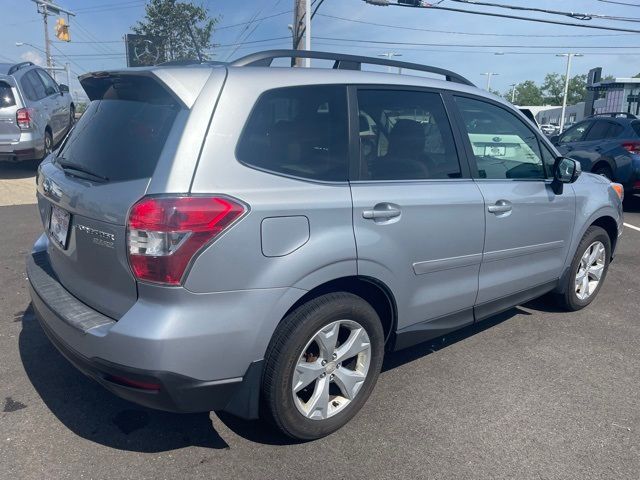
x=59 y=225
x=494 y=151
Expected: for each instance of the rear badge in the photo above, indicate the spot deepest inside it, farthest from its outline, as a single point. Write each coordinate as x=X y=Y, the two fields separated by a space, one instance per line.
x=104 y=239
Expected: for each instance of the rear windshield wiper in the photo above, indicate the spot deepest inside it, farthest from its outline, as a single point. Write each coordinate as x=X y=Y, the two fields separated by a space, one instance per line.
x=78 y=170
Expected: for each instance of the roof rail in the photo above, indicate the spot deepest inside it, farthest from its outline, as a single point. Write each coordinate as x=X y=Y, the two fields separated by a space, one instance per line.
x=18 y=66
x=615 y=115
x=342 y=62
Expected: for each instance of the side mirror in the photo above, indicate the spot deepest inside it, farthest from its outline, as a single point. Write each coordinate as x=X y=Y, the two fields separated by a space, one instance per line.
x=555 y=139
x=565 y=170
x=63 y=88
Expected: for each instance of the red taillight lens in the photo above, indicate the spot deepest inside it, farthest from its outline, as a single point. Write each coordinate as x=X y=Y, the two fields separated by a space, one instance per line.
x=633 y=147
x=166 y=233
x=23 y=117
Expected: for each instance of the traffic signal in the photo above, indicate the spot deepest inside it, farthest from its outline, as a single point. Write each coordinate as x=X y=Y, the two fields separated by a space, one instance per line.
x=62 y=30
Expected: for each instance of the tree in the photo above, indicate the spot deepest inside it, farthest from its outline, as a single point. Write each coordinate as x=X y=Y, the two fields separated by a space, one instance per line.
x=183 y=29
x=527 y=93
x=553 y=89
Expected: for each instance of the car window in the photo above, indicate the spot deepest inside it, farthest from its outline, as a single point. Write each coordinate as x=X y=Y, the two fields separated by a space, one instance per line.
x=36 y=87
x=50 y=86
x=575 y=133
x=406 y=135
x=604 y=129
x=636 y=127
x=503 y=145
x=6 y=95
x=299 y=131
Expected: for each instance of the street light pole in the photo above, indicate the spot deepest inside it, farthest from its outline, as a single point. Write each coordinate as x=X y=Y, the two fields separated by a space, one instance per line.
x=389 y=55
x=513 y=92
x=489 y=75
x=566 y=85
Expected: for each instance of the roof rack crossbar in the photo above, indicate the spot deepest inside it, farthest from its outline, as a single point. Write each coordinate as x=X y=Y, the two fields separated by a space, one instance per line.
x=18 y=66
x=342 y=62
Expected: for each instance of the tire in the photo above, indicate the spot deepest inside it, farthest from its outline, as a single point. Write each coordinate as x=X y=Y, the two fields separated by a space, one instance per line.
x=48 y=144
x=72 y=117
x=293 y=346
x=604 y=171
x=571 y=298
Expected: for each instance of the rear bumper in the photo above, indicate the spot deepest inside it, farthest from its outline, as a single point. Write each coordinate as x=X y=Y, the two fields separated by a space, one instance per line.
x=162 y=353
x=29 y=147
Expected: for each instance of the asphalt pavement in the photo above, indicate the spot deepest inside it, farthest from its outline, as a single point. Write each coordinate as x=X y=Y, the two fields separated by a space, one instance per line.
x=532 y=393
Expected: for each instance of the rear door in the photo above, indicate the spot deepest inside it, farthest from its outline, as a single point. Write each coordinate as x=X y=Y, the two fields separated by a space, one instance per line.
x=9 y=130
x=102 y=169
x=58 y=109
x=418 y=217
x=528 y=226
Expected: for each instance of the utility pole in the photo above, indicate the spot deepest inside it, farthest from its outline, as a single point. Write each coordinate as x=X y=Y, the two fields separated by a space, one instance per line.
x=47 y=8
x=513 y=92
x=566 y=85
x=389 y=55
x=489 y=75
x=300 y=20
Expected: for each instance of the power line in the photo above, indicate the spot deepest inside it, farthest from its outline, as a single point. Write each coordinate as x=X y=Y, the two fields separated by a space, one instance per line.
x=620 y=3
x=416 y=29
x=516 y=17
x=577 y=16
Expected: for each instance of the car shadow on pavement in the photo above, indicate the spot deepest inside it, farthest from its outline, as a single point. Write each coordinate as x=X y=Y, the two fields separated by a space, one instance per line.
x=26 y=169
x=91 y=412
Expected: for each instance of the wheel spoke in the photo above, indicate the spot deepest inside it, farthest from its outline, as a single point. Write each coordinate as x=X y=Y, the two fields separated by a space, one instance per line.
x=349 y=381
x=326 y=339
x=305 y=373
x=596 y=271
x=585 y=286
x=595 y=253
x=357 y=342
x=318 y=404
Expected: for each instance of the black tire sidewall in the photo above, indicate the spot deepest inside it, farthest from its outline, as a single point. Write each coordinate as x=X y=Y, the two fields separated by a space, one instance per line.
x=593 y=234
x=302 y=325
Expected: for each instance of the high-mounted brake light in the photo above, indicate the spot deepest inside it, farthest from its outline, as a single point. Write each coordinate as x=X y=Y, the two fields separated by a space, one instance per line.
x=23 y=117
x=164 y=234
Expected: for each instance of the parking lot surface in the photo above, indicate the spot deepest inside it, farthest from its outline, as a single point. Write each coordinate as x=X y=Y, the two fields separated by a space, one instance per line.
x=532 y=393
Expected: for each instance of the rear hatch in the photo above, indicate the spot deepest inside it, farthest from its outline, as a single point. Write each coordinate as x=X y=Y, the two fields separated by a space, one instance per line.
x=87 y=188
x=9 y=130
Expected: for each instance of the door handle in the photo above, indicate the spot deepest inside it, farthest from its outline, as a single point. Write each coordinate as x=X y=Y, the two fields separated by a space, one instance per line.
x=382 y=211
x=501 y=206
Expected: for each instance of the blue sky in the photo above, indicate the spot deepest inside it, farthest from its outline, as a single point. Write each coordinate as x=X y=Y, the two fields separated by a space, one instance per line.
x=107 y=21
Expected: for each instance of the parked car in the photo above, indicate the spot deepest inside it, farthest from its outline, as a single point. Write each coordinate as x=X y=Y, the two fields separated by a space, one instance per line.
x=608 y=145
x=35 y=112
x=549 y=129
x=217 y=239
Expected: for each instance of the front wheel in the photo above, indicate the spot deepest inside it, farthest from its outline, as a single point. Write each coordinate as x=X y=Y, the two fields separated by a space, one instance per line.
x=588 y=269
x=322 y=365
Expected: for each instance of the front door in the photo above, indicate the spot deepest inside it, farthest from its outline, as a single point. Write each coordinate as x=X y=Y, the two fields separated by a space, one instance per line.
x=528 y=226
x=418 y=217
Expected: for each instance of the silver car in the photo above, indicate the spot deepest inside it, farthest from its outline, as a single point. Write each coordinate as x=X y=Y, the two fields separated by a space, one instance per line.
x=217 y=237
x=35 y=112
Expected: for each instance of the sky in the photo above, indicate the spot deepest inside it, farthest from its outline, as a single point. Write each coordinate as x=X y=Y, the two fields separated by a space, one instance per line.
x=467 y=44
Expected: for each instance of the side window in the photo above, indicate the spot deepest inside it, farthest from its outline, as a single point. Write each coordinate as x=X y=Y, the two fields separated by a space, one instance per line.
x=27 y=88
x=299 y=131
x=575 y=133
x=36 y=85
x=503 y=146
x=405 y=135
x=50 y=85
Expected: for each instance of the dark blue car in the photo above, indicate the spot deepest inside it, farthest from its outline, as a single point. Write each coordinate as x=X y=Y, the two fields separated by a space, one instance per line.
x=608 y=145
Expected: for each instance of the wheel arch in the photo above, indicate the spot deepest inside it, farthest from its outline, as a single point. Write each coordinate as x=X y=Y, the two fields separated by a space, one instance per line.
x=375 y=292
x=610 y=226
x=604 y=162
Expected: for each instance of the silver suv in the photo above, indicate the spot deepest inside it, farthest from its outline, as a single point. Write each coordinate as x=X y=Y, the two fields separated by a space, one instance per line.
x=35 y=112
x=254 y=239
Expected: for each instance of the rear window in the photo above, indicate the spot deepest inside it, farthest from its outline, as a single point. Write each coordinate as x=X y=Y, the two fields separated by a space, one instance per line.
x=6 y=95
x=299 y=131
x=604 y=129
x=122 y=134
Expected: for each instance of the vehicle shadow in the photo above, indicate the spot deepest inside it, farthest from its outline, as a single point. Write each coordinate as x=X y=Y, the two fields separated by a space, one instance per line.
x=26 y=169
x=91 y=412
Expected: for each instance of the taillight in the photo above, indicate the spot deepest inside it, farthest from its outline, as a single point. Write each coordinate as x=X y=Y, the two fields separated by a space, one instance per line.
x=633 y=147
x=23 y=117
x=165 y=234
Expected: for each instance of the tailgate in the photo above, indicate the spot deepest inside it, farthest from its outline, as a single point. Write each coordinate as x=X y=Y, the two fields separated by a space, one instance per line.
x=100 y=171
x=9 y=130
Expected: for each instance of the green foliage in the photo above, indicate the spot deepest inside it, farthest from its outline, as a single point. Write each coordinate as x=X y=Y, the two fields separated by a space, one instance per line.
x=553 y=89
x=180 y=25
x=527 y=93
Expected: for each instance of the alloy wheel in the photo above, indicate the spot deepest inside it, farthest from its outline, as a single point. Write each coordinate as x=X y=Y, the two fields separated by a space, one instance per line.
x=590 y=270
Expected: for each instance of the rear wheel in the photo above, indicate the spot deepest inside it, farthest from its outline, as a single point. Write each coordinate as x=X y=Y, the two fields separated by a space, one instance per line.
x=48 y=144
x=588 y=269
x=72 y=116
x=322 y=365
